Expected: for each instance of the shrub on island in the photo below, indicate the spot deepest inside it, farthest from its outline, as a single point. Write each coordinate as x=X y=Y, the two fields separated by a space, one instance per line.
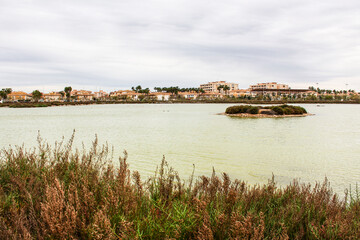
x=272 y=110
x=253 y=110
x=278 y=110
x=242 y=109
x=292 y=110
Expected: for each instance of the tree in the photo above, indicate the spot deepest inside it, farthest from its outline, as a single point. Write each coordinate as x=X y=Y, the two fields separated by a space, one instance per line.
x=146 y=91
x=4 y=92
x=220 y=87
x=226 y=89
x=36 y=95
x=139 y=89
x=67 y=91
x=62 y=93
x=158 y=89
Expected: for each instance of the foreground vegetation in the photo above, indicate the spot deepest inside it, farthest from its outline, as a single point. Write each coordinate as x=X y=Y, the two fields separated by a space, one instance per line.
x=60 y=193
x=270 y=110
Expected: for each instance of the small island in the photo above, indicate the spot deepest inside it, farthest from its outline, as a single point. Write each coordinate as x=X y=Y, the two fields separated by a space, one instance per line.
x=247 y=111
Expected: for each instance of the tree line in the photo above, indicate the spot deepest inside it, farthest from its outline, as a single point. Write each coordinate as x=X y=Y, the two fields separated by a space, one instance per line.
x=176 y=90
x=328 y=91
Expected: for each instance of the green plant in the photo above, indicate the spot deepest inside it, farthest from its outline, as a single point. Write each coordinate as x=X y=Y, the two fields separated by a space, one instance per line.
x=5 y=92
x=253 y=110
x=278 y=110
x=67 y=91
x=63 y=193
x=36 y=95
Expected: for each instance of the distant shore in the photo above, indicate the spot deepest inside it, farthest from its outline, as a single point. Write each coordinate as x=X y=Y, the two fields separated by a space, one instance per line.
x=230 y=101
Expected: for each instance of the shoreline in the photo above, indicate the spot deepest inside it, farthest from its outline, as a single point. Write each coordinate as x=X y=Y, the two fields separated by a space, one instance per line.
x=248 y=115
x=57 y=104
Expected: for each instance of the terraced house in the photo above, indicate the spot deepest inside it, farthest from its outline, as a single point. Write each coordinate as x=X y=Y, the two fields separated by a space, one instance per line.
x=82 y=95
x=53 y=97
x=19 y=96
x=125 y=94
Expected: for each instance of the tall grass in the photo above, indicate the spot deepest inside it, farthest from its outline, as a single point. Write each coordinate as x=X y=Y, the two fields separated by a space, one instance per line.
x=64 y=193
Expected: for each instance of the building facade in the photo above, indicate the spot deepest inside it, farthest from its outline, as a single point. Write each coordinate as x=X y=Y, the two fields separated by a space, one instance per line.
x=19 y=96
x=240 y=93
x=101 y=95
x=213 y=86
x=160 y=96
x=52 y=96
x=269 y=85
x=82 y=95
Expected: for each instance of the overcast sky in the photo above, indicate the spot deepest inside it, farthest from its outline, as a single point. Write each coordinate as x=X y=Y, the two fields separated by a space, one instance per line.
x=117 y=44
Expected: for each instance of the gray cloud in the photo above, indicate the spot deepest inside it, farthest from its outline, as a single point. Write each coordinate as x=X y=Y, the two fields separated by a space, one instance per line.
x=117 y=44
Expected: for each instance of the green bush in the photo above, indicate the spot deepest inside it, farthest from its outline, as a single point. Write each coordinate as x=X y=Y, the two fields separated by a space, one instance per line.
x=288 y=111
x=278 y=110
x=238 y=109
x=233 y=110
x=298 y=110
x=253 y=110
x=304 y=110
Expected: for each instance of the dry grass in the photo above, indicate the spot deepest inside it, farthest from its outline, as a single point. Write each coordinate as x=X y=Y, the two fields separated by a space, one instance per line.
x=61 y=193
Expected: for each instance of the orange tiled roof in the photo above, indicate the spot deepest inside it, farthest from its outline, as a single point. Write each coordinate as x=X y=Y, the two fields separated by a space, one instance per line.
x=18 y=93
x=52 y=94
x=81 y=93
x=187 y=93
x=160 y=93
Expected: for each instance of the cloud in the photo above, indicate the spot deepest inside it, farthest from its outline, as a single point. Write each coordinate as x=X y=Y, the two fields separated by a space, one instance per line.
x=119 y=44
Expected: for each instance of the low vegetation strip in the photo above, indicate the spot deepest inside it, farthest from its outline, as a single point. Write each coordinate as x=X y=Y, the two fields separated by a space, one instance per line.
x=181 y=101
x=270 y=110
x=61 y=193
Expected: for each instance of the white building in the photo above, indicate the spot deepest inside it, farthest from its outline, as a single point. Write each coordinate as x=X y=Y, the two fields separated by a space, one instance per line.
x=269 y=85
x=161 y=96
x=213 y=86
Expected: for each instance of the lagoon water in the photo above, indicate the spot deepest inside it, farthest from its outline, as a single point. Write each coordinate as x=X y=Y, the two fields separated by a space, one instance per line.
x=308 y=148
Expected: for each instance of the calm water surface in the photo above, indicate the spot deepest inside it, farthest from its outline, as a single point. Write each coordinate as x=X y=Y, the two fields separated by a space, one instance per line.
x=308 y=148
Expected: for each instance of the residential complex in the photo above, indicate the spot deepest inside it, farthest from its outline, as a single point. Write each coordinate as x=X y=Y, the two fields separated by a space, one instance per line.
x=270 y=85
x=52 y=97
x=19 y=96
x=275 y=89
x=214 y=86
x=212 y=90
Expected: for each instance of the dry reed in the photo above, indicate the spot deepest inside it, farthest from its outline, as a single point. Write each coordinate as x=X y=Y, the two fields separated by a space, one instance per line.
x=62 y=193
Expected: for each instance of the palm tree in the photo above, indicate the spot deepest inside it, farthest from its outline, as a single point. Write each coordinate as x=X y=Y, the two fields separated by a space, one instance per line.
x=36 y=95
x=220 y=87
x=4 y=92
x=226 y=89
x=62 y=94
x=158 y=89
x=67 y=91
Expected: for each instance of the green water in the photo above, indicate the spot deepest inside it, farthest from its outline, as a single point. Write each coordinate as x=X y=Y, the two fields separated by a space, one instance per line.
x=307 y=148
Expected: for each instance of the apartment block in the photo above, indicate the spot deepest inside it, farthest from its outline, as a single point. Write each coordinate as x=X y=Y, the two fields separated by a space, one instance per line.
x=269 y=85
x=213 y=86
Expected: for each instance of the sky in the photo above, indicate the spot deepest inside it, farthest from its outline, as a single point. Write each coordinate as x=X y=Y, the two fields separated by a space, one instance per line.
x=117 y=44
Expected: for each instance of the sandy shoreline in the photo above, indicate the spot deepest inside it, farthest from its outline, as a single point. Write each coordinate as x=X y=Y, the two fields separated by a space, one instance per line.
x=247 y=115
